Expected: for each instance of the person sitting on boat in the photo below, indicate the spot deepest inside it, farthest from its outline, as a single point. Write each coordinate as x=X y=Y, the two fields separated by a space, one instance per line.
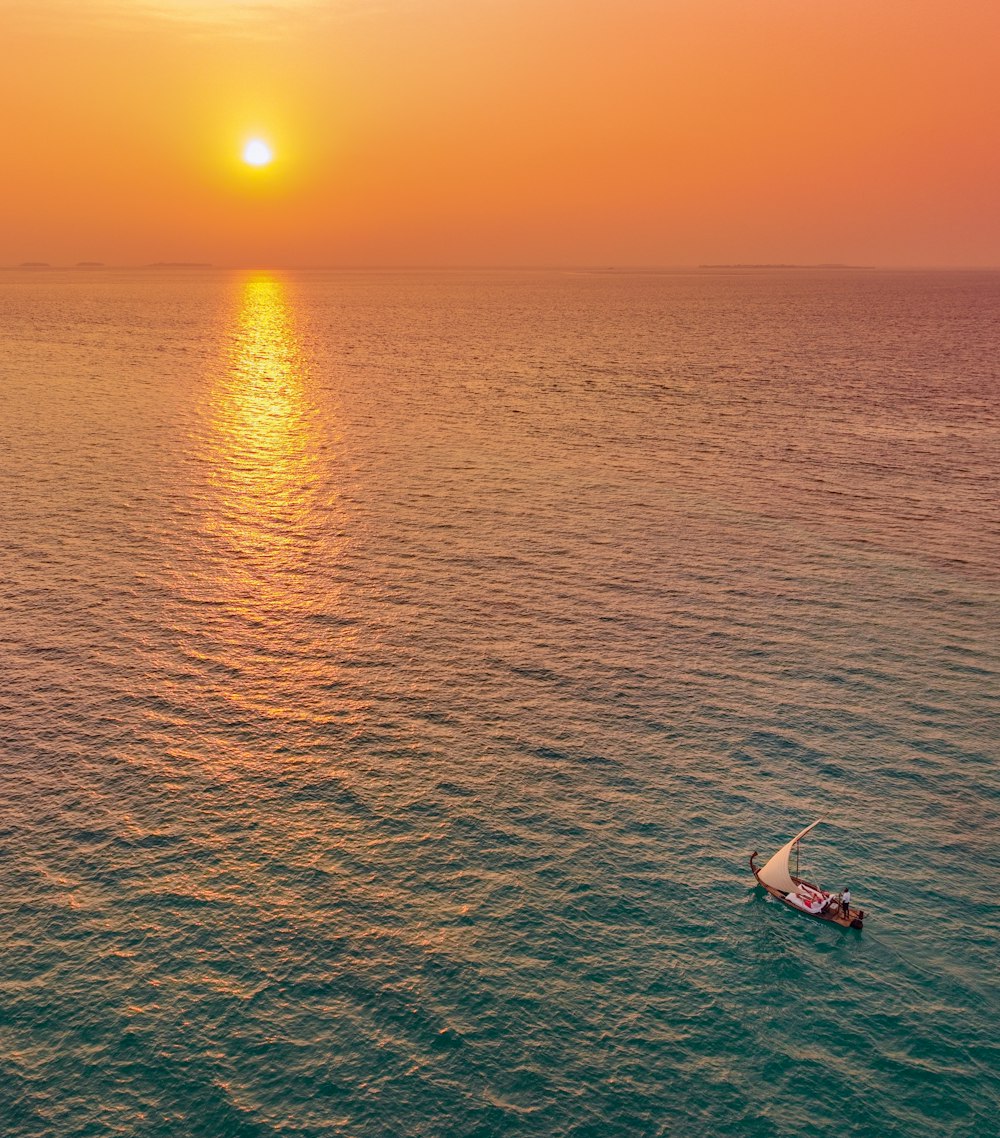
x=845 y=902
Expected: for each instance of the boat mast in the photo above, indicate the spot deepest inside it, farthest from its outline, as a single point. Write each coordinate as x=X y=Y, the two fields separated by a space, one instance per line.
x=797 y=859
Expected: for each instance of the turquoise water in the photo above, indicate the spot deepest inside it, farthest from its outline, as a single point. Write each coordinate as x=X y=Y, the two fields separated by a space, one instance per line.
x=398 y=670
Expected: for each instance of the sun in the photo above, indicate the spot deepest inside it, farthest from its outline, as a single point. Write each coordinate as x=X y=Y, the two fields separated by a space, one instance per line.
x=257 y=153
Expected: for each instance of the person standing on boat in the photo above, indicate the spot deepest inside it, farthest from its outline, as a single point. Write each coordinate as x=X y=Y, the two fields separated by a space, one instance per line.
x=845 y=902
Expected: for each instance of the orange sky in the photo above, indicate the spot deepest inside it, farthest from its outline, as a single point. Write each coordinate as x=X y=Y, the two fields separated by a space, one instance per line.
x=611 y=132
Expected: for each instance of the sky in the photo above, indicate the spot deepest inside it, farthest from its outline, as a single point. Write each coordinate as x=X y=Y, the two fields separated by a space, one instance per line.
x=501 y=132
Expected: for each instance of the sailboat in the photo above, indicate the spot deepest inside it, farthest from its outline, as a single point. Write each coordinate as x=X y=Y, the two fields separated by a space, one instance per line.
x=777 y=878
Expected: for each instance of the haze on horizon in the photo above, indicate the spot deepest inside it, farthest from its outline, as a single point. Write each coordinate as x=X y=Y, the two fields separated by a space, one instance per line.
x=608 y=132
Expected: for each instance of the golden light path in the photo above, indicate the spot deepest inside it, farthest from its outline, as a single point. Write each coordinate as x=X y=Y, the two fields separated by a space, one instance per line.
x=273 y=515
x=266 y=433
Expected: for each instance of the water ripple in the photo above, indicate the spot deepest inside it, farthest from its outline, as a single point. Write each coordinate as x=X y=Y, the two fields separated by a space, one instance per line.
x=399 y=670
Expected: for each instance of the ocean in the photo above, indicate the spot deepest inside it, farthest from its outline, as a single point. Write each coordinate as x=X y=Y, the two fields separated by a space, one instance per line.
x=398 y=669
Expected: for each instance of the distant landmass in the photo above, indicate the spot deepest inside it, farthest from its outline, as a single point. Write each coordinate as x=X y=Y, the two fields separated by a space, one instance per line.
x=39 y=265
x=821 y=265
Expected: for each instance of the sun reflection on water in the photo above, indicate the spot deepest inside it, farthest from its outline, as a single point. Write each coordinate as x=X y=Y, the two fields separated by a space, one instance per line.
x=273 y=517
x=266 y=467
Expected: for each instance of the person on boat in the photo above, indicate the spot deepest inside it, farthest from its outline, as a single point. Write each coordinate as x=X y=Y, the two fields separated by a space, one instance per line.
x=845 y=902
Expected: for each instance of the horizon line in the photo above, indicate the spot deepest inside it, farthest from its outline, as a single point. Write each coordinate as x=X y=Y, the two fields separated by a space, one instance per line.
x=202 y=266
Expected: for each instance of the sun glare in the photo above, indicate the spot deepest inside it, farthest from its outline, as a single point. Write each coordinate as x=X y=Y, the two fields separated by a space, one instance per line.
x=257 y=153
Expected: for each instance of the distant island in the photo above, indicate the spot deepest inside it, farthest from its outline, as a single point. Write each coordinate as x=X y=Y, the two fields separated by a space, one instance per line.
x=38 y=266
x=821 y=265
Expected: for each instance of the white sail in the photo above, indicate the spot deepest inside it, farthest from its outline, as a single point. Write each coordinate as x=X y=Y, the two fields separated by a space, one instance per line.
x=775 y=873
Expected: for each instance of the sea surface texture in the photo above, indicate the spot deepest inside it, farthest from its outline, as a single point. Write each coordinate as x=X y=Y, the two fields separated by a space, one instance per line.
x=396 y=672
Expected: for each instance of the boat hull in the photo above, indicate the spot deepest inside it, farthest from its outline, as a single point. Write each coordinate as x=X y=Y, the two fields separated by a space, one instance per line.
x=853 y=920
